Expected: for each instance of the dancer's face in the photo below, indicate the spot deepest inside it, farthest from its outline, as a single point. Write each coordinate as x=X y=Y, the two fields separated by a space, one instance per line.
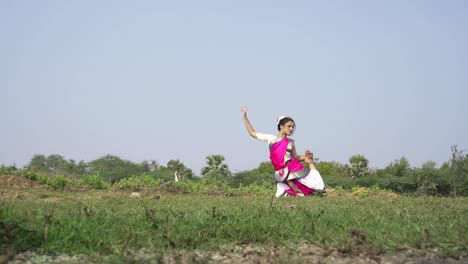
x=288 y=128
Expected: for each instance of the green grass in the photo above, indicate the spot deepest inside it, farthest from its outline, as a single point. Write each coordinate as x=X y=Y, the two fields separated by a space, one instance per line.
x=110 y=222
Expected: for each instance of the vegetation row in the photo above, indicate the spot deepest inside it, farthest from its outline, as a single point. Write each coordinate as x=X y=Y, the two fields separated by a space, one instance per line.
x=449 y=179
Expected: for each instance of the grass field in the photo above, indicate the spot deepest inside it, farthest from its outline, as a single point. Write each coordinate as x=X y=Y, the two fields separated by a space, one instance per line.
x=115 y=226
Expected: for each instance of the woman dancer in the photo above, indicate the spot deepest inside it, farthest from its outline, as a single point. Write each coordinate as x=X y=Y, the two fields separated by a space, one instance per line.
x=292 y=178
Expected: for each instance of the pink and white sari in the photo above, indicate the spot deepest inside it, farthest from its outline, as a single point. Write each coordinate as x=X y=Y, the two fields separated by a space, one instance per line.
x=292 y=178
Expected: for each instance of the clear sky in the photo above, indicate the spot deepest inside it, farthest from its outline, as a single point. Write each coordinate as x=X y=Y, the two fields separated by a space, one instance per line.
x=162 y=80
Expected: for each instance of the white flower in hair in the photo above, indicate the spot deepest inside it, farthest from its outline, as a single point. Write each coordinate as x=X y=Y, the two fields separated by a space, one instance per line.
x=279 y=119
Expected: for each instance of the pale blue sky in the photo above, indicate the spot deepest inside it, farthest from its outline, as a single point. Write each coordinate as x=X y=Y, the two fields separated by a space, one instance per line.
x=163 y=80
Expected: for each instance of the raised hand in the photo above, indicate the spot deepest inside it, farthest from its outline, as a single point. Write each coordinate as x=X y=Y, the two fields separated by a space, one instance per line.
x=244 y=111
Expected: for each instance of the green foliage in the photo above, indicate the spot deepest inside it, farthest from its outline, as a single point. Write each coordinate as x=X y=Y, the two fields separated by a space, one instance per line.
x=341 y=169
x=113 y=167
x=458 y=176
x=71 y=167
x=58 y=183
x=327 y=168
x=265 y=168
x=399 y=168
x=363 y=194
x=185 y=172
x=444 y=186
x=188 y=186
x=38 y=163
x=30 y=175
x=213 y=178
x=192 y=223
x=149 y=165
x=450 y=179
x=214 y=164
x=344 y=183
x=262 y=174
x=398 y=184
x=359 y=166
x=15 y=233
x=377 y=188
x=8 y=170
x=55 y=164
x=44 y=180
x=166 y=173
x=386 y=182
x=426 y=178
x=139 y=182
x=95 y=181
x=266 y=188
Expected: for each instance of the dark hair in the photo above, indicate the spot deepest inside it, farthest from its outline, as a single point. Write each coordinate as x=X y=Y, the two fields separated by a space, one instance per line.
x=283 y=121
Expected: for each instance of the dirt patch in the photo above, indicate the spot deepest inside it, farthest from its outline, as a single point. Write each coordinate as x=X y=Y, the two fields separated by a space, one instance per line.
x=18 y=182
x=248 y=253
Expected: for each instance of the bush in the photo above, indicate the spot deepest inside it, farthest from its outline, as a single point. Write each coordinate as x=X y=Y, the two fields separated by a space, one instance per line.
x=326 y=168
x=58 y=183
x=95 y=181
x=250 y=177
x=8 y=170
x=385 y=182
x=398 y=184
x=30 y=175
x=345 y=183
x=188 y=186
x=138 y=182
x=367 y=181
x=399 y=168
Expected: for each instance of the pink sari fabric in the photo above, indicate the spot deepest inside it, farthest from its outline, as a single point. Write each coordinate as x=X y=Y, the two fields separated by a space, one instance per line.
x=277 y=152
x=304 y=189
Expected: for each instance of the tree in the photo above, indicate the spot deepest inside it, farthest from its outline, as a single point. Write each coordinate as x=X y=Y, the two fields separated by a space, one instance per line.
x=459 y=172
x=427 y=178
x=149 y=165
x=261 y=175
x=399 y=168
x=327 y=168
x=215 y=165
x=38 y=162
x=52 y=163
x=266 y=168
x=166 y=173
x=81 y=168
x=444 y=186
x=55 y=162
x=113 y=167
x=185 y=172
x=359 y=166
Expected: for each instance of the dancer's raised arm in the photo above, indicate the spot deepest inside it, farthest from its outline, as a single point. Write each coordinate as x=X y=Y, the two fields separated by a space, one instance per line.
x=249 y=127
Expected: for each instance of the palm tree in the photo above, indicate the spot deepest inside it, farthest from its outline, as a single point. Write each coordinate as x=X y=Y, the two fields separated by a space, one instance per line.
x=214 y=163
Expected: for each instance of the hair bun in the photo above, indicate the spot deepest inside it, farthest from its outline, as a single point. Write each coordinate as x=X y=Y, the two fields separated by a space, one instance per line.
x=279 y=119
